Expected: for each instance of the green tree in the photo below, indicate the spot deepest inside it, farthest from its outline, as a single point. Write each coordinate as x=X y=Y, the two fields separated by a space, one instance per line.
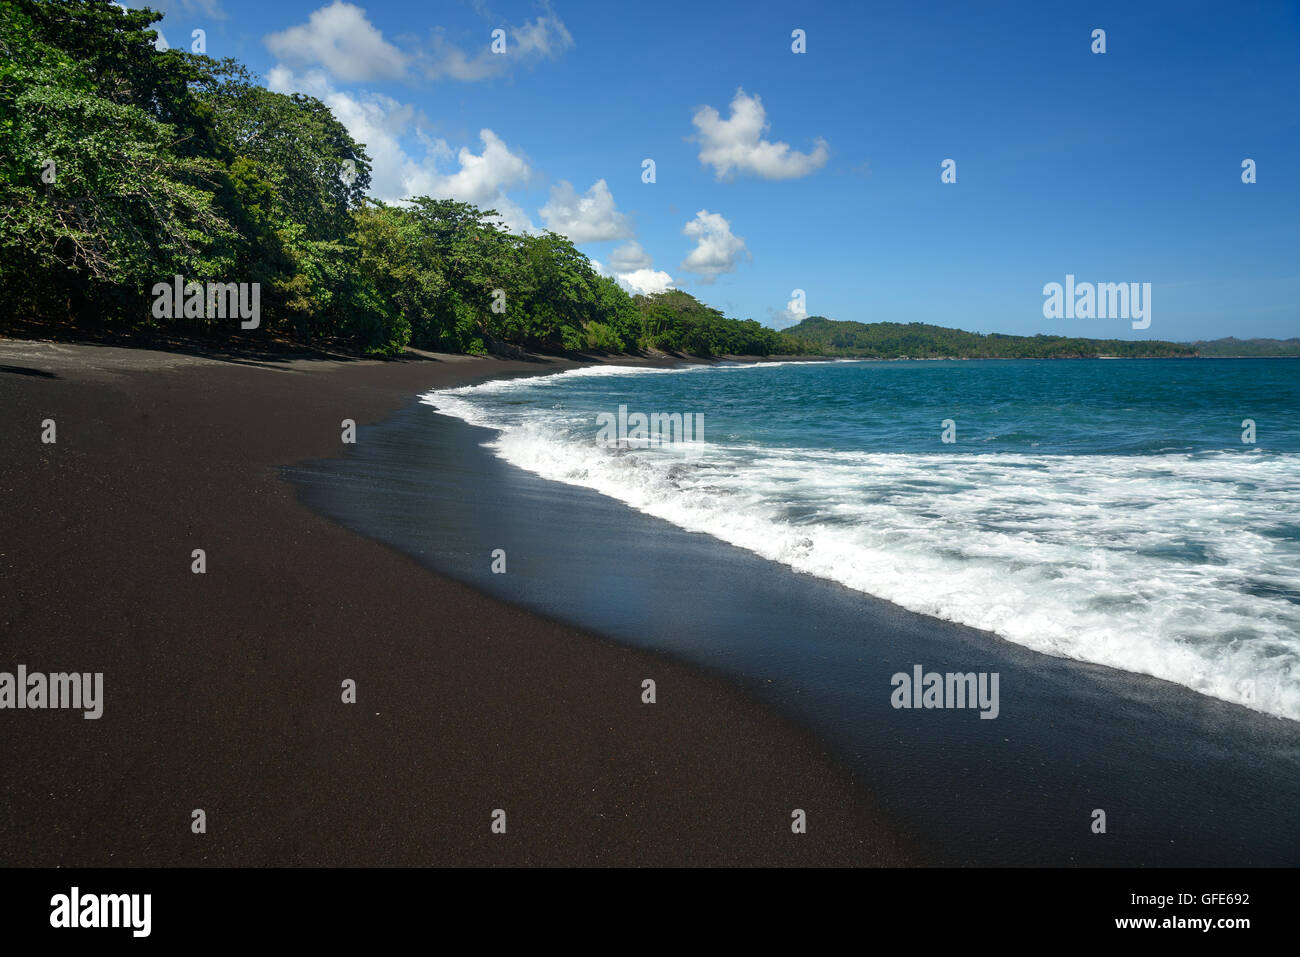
x=97 y=199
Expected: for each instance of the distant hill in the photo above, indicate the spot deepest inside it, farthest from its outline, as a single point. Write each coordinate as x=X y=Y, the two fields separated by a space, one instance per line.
x=1252 y=348
x=918 y=340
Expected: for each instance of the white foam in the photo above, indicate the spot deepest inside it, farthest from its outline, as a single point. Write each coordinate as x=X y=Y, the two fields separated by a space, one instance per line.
x=1081 y=557
x=560 y=379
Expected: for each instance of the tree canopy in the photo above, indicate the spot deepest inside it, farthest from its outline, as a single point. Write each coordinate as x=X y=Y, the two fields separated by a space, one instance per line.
x=124 y=166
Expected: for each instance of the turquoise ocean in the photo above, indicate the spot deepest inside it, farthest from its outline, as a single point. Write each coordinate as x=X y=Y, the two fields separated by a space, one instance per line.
x=1138 y=514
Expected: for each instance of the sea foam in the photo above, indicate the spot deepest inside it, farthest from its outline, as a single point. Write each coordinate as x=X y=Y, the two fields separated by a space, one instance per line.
x=1170 y=565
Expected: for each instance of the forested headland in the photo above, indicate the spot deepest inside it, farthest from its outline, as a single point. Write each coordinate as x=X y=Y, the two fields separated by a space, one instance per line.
x=917 y=340
x=1234 y=348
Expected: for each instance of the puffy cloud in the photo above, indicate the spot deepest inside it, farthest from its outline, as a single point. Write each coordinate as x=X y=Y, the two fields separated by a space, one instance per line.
x=589 y=218
x=645 y=281
x=716 y=248
x=480 y=178
x=380 y=122
x=629 y=257
x=736 y=144
x=341 y=39
x=631 y=266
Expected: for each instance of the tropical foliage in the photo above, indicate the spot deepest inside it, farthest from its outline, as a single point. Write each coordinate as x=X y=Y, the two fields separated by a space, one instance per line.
x=123 y=166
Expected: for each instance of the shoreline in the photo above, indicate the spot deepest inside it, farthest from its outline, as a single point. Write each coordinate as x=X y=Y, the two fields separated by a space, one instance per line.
x=222 y=690
x=1158 y=756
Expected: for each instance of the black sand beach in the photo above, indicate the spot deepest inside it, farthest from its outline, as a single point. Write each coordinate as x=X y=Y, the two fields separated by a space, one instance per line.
x=222 y=690
x=1184 y=779
x=479 y=691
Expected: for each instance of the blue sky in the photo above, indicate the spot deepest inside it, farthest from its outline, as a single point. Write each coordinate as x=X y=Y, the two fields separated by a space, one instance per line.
x=824 y=174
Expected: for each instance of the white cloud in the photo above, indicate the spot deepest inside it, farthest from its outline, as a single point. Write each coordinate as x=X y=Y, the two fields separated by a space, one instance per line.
x=736 y=144
x=450 y=60
x=589 y=218
x=481 y=177
x=630 y=265
x=341 y=39
x=544 y=38
x=645 y=281
x=380 y=122
x=795 y=311
x=629 y=257
x=716 y=248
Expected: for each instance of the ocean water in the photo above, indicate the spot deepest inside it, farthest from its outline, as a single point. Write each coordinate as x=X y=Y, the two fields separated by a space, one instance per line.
x=1104 y=511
